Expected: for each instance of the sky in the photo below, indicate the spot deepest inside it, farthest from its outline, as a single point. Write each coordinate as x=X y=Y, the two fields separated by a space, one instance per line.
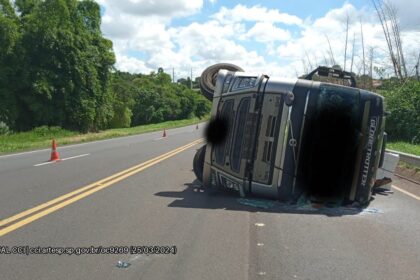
x=278 y=38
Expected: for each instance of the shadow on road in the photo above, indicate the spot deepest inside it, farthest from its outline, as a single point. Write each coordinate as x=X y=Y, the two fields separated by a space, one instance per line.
x=196 y=196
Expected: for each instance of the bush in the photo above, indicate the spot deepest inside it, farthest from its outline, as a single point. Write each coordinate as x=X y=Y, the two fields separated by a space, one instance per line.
x=122 y=117
x=52 y=131
x=4 y=129
x=403 y=103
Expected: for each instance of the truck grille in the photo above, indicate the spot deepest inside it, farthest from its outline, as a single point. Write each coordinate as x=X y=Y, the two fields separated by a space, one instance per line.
x=237 y=143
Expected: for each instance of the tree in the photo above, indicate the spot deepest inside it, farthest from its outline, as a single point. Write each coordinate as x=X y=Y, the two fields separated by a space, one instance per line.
x=9 y=37
x=56 y=69
x=123 y=92
x=26 y=6
x=65 y=66
x=387 y=14
x=403 y=104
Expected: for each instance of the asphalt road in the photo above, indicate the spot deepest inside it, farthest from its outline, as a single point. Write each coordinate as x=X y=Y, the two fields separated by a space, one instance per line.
x=160 y=203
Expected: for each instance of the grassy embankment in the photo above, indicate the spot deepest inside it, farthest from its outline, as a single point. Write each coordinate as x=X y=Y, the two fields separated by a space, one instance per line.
x=404 y=147
x=408 y=148
x=41 y=137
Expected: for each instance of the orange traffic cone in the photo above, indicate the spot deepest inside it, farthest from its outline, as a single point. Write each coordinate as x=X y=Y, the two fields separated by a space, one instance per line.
x=164 y=133
x=54 y=154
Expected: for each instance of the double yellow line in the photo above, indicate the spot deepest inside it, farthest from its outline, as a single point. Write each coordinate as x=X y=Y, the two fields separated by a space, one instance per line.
x=28 y=216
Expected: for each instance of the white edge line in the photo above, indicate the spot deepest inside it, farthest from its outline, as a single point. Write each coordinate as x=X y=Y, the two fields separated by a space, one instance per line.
x=406 y=192
x=87 y=143
x=63 y=159
x=75 y=157
x=24 y=153
x=44 y=163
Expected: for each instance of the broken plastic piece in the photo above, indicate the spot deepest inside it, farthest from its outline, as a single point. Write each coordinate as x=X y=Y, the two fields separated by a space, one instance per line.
x=122 y=264
x=372 y=210
x=259 y=203
x=303 y=200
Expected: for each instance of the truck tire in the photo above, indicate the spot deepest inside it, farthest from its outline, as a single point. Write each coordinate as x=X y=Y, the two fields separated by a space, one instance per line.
x=198 y=163
x=209 y=76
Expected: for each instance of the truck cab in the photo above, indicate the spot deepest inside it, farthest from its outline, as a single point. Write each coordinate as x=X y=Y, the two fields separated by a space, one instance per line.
x=291 y=137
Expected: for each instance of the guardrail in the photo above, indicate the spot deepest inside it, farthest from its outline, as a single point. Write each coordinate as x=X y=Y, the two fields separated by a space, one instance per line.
x=408 y=158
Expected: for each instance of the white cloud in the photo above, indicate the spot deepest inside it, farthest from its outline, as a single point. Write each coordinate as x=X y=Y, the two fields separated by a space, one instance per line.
x=132 y=65
x=162 y=8
x=255 y=13
x=311 y=47
x=229 y=35
x=212 y=42
x=408 y=13
x=267 y=32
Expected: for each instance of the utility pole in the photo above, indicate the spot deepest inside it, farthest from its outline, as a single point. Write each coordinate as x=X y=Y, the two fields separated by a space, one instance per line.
x=417 y=68
x=191 y=79
x=331 y=52
x=173 y=75
x=345 y=48
x=363 y=49
x=371 y=68
x=352 y=54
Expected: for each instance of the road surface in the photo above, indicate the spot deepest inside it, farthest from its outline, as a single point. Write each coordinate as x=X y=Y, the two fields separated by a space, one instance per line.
x=141 y=191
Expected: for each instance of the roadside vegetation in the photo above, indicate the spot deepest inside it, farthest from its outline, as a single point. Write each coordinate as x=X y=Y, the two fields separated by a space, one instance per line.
x=403 y=104
x=57 y=79
x=404 y=147
x=40 y=137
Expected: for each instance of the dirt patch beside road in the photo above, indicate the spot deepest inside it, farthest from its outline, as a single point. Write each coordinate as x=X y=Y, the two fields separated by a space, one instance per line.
x=410 y=172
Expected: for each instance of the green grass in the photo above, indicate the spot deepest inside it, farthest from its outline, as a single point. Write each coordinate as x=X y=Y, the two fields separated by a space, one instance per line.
x=41 y=137
x=404 y=147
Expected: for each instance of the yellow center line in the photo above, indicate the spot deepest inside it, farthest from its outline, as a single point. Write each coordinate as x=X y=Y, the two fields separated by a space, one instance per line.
x=84 y=191
x=406 y=192
x=100 y=182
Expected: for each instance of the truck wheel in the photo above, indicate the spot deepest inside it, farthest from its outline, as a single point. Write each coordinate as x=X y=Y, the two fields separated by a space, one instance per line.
x=198 y=163
x=209 y=76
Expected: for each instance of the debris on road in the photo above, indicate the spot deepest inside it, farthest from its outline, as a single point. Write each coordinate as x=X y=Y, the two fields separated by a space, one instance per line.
x=122 y=264
x=371 y=210
x=258 y=203
x=304 y=204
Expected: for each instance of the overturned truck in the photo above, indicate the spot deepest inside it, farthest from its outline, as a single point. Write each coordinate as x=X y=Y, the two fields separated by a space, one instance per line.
x=282 y=138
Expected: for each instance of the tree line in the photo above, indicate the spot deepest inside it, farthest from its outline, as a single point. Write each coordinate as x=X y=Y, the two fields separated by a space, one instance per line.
x=152 y=98
x=57 y=69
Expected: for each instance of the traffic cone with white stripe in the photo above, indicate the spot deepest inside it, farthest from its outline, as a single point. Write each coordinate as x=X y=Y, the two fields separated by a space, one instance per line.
x=54 y=154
